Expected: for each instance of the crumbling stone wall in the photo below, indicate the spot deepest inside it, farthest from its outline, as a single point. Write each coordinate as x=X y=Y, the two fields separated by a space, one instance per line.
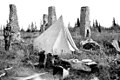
x=13 y=23
x=44 y=25
x=45 y=22
x=13 y=19
x=51 y=15
x=85 y=22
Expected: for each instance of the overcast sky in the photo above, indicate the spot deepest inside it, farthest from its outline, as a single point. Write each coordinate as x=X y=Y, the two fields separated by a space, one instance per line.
x=32 y=10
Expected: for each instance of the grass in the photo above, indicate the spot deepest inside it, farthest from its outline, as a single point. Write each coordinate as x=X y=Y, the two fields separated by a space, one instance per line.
x=20 y=53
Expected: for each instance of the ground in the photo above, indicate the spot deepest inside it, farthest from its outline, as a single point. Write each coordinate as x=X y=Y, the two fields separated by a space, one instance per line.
x=21 y=56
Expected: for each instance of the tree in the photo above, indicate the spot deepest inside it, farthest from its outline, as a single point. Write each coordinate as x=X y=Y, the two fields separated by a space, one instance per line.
x=99 y=28
x=28 y=29
x=75 y=24
x=22 y=30
x=114 y=22
x=93 y=24
x=32 y=27
x=78 y=22
x=35 y=28
x=41 y=25
x=96 y=23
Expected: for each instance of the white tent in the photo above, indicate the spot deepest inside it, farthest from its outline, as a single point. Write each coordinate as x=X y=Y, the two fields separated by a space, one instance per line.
x=56 y=39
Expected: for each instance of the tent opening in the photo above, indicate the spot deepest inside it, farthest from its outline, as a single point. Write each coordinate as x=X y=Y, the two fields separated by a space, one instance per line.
x=91 y=46
x=87 y=35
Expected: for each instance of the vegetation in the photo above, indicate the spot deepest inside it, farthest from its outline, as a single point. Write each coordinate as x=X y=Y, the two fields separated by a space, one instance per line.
x=32 y=28
x=98 y=28
x=22 y=56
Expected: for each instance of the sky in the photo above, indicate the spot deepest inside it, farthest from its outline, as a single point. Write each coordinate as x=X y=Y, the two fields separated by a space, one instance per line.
x=32 y=11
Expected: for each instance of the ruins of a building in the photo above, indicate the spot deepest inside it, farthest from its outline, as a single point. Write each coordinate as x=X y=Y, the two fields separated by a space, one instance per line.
x=45 y=23
x=51 y=15
x=85 y=22
x=13 y=23
x=49 y=19
x=13 y=19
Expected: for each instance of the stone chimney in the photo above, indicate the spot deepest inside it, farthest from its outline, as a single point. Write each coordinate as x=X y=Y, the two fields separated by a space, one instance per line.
x=85 y=22
x=13 y=19
x=45 y=18
x=51 y=15
x=45 y=21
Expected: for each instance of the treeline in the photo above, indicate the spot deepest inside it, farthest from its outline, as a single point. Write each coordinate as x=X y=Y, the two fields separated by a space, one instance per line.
x=31 y=28
x=98 y=28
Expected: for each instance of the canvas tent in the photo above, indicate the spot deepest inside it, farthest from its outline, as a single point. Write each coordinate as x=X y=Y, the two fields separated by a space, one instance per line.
x=56 y=39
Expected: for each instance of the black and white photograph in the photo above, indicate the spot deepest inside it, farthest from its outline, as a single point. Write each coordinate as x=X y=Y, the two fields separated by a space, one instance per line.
x=59 y=40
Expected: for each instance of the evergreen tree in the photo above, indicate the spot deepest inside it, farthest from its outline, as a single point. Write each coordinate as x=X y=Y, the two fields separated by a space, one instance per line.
x=96 y=23
x=28 y=29
x=41 y=25
x=22 y=30
x=99 y=28
x=76 y=25
x=78 y=22
x=93 y=24
x=35 y=27
x=114 y=22
x=32 y=27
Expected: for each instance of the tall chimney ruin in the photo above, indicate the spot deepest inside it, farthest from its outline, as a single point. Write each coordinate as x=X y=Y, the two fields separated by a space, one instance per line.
x=85 y=22
x=45 y=23
x=13 y=23
x=51 y=15
x=13 y=19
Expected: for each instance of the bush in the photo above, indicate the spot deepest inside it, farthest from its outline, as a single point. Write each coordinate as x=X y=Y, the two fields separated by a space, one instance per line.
x=114 y=70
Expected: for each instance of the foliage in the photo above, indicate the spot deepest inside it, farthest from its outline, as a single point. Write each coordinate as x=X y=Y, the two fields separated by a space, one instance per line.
x=114 y=22
x=78 y=22
x=108 y=69
x=32 y=28
x=22 y=30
